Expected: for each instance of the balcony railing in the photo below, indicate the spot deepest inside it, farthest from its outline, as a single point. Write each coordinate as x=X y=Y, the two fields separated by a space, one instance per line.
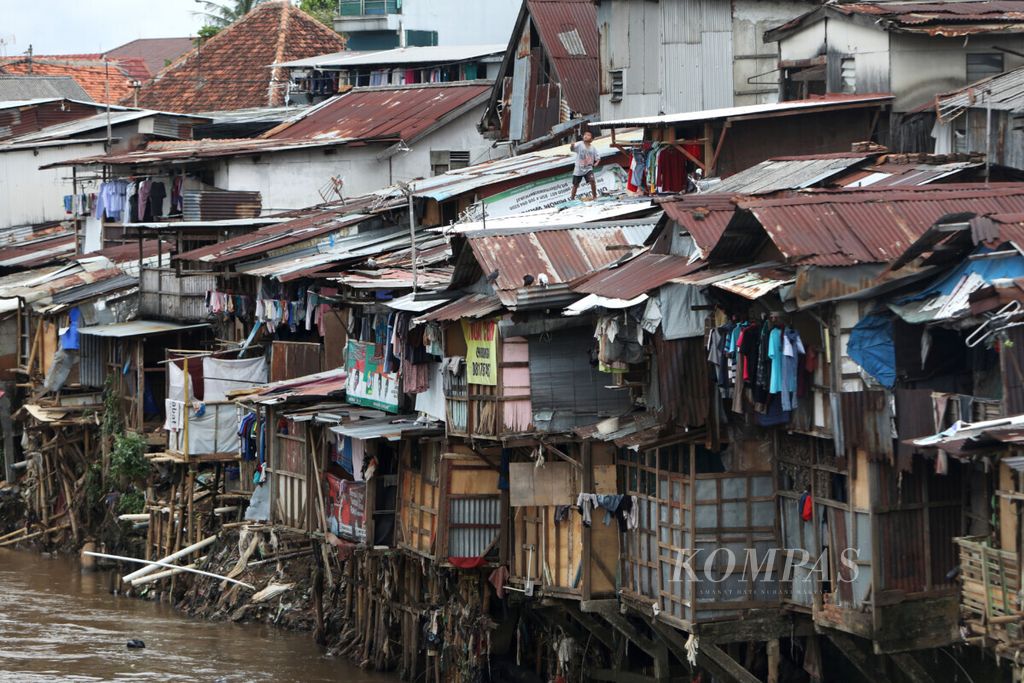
x=358 y=8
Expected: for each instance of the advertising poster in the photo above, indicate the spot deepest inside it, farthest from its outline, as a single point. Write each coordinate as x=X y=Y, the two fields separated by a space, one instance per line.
x=367 y=383
x=481 y=351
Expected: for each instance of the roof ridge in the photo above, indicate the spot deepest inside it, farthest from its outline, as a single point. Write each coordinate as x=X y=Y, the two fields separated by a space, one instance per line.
x=282 y=40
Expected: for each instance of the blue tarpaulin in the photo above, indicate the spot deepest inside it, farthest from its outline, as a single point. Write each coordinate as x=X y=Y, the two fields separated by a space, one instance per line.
x=871 y=346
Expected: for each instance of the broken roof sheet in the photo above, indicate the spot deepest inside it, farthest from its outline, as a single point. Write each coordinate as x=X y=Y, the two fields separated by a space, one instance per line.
x=846 y=227
x=752 y=111
x=948 y=298
x=391 y=427
x=317 y=385
x=383 y=113
x=1002 y=92
x=948 y=19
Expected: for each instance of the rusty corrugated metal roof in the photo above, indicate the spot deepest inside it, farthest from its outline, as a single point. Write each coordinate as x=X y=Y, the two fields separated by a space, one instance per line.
x=313 y=224
x=632 y=278
x=382 y=113
x=704 y=216
x=568 y=32
x=561 y=255
x=933 y=18
x=469 y=306
x=846 y=227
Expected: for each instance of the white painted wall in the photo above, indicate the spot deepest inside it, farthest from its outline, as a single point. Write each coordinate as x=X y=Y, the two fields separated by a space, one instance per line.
x=458 y=22
x=29 y=195
x=291 y=180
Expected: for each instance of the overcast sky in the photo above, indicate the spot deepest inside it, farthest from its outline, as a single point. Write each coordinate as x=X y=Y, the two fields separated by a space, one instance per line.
x=84 y=26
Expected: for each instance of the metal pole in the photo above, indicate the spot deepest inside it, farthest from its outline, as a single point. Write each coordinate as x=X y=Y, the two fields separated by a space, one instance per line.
x=988 y=135
x=106 y=96
x=412 y=236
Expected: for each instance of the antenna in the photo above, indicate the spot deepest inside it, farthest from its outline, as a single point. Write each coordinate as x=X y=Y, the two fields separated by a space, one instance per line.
x=5 y=40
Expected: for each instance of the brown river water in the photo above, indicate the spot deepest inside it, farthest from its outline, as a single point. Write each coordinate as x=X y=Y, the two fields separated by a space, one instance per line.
x=59 y=624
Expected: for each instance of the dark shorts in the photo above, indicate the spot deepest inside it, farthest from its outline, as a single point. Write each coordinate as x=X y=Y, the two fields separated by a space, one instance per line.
x=577 y=179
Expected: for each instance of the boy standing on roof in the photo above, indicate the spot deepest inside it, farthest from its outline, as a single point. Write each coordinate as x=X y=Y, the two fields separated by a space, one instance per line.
x=586 y=159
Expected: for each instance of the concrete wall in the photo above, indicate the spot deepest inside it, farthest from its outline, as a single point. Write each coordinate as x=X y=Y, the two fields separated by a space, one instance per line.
x=688 y=55
x=458 y=22
x=29 y=195
x=292 y=180
x=923 y=66
x=915 y=68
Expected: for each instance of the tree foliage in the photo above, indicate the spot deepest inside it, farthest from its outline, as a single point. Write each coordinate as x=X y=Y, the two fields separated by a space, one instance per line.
x=321 y=10
x=222 y=14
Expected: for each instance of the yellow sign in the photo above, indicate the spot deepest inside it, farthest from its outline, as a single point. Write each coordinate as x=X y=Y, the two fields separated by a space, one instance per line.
x=481 y=351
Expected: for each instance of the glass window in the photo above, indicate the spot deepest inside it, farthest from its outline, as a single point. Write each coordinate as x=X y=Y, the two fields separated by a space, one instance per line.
x=983 y=65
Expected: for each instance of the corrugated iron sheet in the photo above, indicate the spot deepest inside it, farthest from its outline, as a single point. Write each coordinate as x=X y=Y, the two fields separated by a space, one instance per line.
x=213 y=206
x=684 y=383
x=473 y=525
x=1003 y=92
x=948 y=19
x=568 y=28
x=137 y=328
x=755 y=283
x=393 y=113
x=788 y=174
x=638 y=275
x=848 y=227
x=311 y=225
x=865 y=416
x=704 y=216
x=823 y=103
x=469 y=306
x=562 y=255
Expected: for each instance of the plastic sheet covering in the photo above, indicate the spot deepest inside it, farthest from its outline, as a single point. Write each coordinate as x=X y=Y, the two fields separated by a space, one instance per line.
x=214 y=431
x=431 y=401
x=872 y=347
x=223 y=375
x=679 y=320
x=176 y=383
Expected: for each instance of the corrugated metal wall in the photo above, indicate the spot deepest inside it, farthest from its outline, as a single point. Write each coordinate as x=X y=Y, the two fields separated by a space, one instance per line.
x=92 y=370
x=473 y=525
x=567 y=391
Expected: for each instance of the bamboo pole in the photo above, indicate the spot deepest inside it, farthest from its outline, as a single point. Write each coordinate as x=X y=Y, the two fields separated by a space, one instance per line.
x=170 y=558
x=34 y=534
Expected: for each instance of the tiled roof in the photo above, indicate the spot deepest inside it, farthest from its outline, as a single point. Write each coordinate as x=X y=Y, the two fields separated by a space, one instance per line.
x=155 y=53
x=229 y=71
x=89 y=71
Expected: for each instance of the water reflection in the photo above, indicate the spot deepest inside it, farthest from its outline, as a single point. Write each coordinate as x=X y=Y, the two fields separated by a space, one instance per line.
x=59 y=624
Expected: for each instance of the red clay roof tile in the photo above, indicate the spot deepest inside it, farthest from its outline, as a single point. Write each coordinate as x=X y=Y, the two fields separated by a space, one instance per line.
x=231 y=70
